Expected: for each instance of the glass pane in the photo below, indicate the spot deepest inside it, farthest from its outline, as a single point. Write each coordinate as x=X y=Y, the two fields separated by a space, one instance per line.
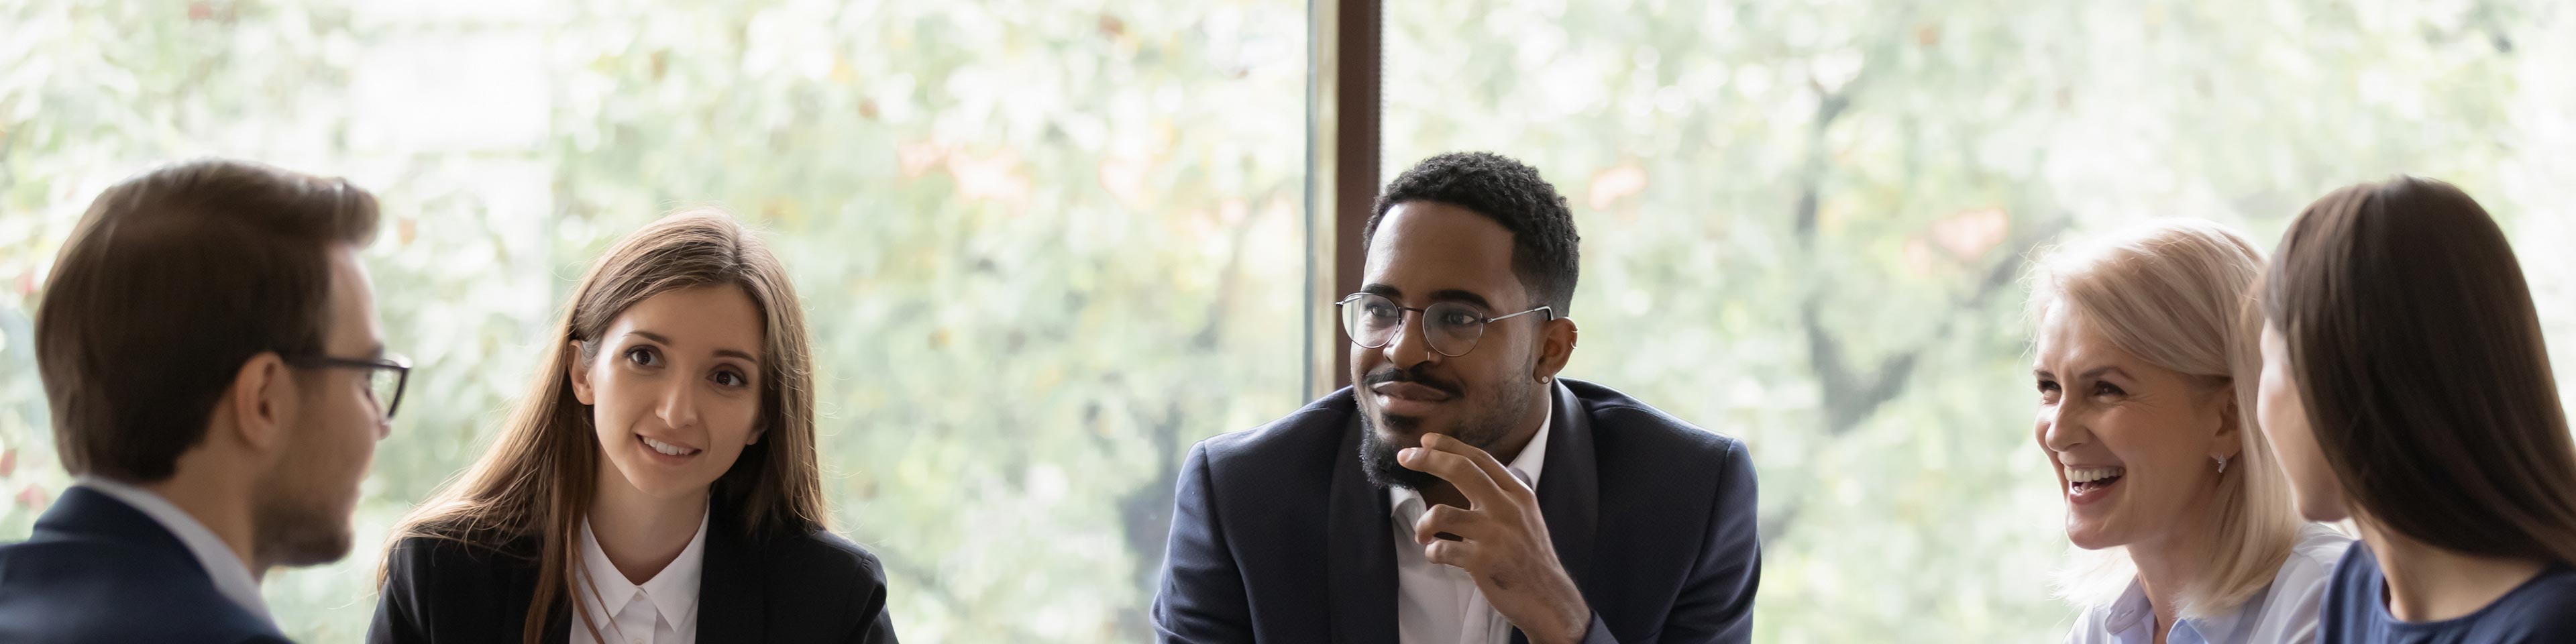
x=1760 y=184
x=1044 y=247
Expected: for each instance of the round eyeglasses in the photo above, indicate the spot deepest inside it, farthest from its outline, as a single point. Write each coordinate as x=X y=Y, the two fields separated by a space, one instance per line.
x=1452 y=328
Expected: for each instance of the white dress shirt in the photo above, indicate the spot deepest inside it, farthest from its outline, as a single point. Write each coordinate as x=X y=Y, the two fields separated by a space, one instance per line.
x=662 y=610
x=232 y=577
x=1438 y=603
x=2285 y=612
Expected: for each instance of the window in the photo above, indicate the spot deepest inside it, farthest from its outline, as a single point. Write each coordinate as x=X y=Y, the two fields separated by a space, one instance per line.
x=1805 y=223
x=1034 y=276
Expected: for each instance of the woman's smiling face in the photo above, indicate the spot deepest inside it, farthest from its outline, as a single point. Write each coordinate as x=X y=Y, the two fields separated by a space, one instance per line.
x=674 y=389
x=2133 y=443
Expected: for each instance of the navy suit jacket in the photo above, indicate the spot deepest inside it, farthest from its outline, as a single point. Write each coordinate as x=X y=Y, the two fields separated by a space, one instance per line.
x=98 y=570
x=1277 y=536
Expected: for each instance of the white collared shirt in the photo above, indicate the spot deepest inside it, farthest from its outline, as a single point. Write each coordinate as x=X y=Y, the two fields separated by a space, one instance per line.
x=232 y=577
x=1438 y=603
x=662 y=610
x=2285 y=612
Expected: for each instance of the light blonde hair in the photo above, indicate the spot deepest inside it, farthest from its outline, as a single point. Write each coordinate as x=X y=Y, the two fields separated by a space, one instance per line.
x=2177 y=293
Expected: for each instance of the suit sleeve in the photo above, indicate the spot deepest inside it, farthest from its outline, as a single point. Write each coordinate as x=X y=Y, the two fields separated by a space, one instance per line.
x=879 y=628
x=1716 y=603
x=399 y=604
x=1202 y=599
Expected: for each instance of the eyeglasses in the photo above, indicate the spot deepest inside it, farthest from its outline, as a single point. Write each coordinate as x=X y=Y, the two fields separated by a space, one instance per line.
x=385 y=376
x=1452 y=328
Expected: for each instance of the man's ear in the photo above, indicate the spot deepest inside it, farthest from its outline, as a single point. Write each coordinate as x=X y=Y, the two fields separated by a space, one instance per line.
x=1555 y=347
x=262 y=401
x=579 y=372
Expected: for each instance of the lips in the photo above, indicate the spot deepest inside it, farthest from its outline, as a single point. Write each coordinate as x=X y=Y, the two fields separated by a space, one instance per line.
x=666 y=449
x=1408 y=399
x=2085 y=484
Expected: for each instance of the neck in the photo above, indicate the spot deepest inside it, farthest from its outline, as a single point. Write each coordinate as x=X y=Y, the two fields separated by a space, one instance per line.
x=2168 y=565
x=2430 y=583
x=641 y=535
x=220 y=505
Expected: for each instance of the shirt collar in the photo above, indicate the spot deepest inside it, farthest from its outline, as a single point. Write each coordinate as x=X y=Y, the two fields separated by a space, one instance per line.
x=232 y=577
x=673 y=591
x=1406 y=503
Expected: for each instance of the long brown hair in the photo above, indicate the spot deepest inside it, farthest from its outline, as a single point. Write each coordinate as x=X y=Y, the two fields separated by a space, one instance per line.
x=538 y=477
x=2415 y=343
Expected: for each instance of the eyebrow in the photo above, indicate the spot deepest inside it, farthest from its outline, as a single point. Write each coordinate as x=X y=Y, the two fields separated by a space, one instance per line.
x=2095 y=373
x=1442 y=295
x=726 y=353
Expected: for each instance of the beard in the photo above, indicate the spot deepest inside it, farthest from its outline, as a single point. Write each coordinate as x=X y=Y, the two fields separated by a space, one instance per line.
x=1485 y=421
x=292 y=528
x=300 y=510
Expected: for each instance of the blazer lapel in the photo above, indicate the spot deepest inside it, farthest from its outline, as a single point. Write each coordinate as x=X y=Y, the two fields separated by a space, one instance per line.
x=1569 y=490
x=730 y=601
x=1359 y=564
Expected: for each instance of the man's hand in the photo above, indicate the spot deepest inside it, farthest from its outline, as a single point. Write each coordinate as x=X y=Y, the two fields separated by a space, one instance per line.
x=1500 y=539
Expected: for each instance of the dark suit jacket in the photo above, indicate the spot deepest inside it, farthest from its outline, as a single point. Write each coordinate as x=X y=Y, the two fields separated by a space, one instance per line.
x=98 y=570
x=812 y=587
x=1278 y=537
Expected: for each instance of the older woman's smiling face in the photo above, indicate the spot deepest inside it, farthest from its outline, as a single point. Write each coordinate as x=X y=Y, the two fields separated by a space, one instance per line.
x=2134 y=444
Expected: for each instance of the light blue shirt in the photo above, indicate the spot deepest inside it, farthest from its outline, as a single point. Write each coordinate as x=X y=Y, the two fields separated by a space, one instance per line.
x=2283 y=613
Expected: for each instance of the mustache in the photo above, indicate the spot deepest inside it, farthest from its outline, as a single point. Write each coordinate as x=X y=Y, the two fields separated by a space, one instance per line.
x=1417 y=375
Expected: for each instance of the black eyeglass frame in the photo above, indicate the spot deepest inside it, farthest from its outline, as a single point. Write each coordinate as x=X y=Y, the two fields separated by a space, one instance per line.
x=401 y=367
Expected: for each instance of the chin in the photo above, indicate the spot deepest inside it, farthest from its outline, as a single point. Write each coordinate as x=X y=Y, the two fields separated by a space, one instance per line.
x=2089 y=537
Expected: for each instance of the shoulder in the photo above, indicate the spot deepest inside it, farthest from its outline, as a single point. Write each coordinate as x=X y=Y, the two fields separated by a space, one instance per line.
x=2092 y=624
x=1317 y=426
x=820 y=553
x=2313 y=558
x=51 y=590
x=2541 y=610
x=1639 y=435
x=437 y=567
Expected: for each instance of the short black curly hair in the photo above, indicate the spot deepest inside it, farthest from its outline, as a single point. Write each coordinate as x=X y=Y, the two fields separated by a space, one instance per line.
x=1544 y=244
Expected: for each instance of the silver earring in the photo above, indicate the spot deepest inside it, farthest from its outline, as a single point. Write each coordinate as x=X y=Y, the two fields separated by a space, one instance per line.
x=2222 y=464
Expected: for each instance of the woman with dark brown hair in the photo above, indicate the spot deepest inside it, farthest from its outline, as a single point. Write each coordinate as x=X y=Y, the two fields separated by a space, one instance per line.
x=658 y=483
x=2405 y=386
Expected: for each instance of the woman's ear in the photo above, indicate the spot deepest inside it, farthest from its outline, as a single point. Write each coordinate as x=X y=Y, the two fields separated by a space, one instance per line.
x=578 y=372
x=2229 y=439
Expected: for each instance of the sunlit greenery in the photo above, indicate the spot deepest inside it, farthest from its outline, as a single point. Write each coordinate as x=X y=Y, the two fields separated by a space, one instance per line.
x=1045 y=246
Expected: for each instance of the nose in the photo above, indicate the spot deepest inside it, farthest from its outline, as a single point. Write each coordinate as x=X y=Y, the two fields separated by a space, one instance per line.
x=1410 y=346
x=679 y=408
x=2061 y=427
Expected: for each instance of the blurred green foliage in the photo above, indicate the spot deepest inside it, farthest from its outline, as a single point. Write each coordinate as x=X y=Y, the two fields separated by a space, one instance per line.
x=1047 y=245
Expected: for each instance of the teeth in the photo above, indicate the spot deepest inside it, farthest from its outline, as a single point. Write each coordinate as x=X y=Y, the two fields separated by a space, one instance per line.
x=2091 y=474
x=665 y=448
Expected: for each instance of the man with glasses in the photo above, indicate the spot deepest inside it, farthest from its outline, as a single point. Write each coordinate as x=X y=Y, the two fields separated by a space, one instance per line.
x=209 y=348
x=1462 y=492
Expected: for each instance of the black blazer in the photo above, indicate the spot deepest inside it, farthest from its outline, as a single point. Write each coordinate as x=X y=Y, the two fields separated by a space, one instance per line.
x=1278 y=537
x=812 y=587
x=98 y=570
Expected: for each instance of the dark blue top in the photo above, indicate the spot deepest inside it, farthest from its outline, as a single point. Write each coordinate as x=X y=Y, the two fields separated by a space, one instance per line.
x=2540 y=610
x=99 y=571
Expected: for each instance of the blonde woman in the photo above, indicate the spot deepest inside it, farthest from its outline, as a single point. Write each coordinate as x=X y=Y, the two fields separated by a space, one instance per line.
x=2145 y=364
